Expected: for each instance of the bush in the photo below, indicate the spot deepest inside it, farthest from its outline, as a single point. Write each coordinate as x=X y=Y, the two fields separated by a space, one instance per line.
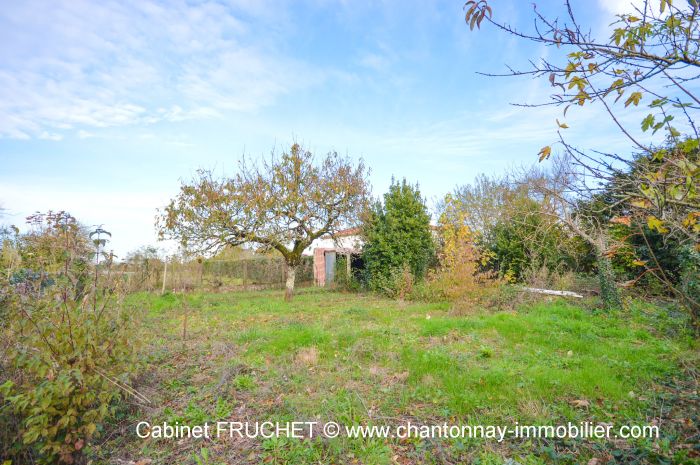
x=69 y=350
x=398 y=240
x=529 y=238
x=461 y=273
x=341 y=280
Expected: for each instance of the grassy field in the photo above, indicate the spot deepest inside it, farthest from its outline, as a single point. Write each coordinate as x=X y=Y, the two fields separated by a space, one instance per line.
x=360 y=359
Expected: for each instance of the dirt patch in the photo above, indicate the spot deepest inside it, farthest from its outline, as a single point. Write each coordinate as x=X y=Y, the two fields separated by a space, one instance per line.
x=307 y=356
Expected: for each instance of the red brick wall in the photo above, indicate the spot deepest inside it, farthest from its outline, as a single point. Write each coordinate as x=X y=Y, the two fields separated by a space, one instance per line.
x=320 y=266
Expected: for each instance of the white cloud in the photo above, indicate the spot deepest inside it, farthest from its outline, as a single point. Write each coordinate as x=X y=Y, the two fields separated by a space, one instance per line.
x=82 y=65
x=45 y=135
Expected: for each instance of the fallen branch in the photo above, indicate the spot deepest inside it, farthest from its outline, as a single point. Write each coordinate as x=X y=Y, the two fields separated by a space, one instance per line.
x=551 y=292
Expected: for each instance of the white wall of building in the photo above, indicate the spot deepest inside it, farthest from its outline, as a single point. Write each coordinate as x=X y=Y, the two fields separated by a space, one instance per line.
x=346 y=242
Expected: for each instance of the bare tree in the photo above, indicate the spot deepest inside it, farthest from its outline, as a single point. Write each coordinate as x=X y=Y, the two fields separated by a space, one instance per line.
x=652 y=55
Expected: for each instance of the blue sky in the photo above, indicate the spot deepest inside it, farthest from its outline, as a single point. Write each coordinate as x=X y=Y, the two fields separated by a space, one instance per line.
x=106 y=105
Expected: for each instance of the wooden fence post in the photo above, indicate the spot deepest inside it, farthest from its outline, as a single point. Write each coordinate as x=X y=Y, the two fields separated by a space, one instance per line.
x=186 y=309
x=165 y=275
x=201 y=273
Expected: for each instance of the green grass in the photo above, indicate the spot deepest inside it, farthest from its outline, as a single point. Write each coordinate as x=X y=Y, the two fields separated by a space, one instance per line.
x=358 y=358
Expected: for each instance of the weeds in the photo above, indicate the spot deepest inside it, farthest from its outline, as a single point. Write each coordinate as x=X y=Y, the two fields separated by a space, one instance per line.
x=354 y=358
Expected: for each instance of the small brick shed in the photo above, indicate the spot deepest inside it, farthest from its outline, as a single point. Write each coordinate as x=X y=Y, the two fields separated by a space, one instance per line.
x=326 y=249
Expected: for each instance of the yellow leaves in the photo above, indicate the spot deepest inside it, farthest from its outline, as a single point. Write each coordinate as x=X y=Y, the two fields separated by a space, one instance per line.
x=641 y=203
x=617 y=83
x=562 y=125
x=656 y=224
x=545 y=152
x=460 y=259
x=662 y=8
x=577 y=82
x=581 y=98
x=691 y=221
x=634 y=98
x=673 y=22
x=571 y=68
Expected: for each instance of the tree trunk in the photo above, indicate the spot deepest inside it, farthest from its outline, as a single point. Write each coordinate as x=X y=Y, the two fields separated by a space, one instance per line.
x=609 y=294
x=608 y=289
x=289 y=287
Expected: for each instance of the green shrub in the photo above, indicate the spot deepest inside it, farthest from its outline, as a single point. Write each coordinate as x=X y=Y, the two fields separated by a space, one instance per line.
x=341 y=279
x=530 y=239
x=397 y=238
x=69 y=349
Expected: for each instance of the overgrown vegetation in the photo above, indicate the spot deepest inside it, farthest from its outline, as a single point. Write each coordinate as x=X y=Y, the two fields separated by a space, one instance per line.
x=364 y=359
x=462 y=272
x=68 y=349
x=443 y=337
x=652 y=55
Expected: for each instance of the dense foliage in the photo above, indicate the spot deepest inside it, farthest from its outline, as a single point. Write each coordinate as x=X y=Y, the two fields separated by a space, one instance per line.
x=398 y=244
x=69 y=346
x=651 y=213
x=517 y=226
x=651 y=58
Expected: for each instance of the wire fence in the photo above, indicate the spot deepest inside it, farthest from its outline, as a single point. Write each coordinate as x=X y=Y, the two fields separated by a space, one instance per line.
x=217 y=275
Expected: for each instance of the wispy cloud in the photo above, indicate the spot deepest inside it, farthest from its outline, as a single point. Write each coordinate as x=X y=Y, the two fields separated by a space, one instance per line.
x=617 y=7
x=83 y=65
x=45 y=135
